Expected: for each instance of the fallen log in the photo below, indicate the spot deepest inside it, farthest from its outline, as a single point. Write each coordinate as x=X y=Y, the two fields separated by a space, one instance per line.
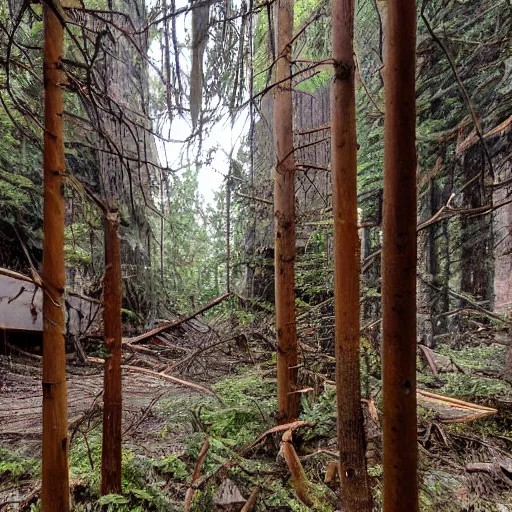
x=175 y=323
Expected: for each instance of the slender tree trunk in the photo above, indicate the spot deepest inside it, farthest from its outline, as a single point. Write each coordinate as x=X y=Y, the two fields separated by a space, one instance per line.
x=284 y=212
x=162 y=227
x=399 y=262
x=355 y=492
x=112 y=394
x=55 y=477
x=228 y=227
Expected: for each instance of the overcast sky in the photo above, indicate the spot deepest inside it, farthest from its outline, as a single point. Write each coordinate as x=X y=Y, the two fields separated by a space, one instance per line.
x=223 y=135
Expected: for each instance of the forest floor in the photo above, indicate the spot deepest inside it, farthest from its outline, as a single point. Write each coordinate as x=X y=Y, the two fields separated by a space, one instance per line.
x=465 y=464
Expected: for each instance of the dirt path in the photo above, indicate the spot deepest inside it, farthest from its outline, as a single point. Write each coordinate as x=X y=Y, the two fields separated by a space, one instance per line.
x=21 y=397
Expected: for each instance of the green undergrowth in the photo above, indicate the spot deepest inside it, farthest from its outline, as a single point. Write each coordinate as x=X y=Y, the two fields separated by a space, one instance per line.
x=142 y=478
x=14 y=466
x=478 y=377
x=482 y=357
x=244 y=409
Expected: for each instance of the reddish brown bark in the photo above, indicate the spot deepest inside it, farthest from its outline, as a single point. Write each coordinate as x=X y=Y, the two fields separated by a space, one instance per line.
x=355 y=492
x=399 y=262
x=300 y=482
x=55 y=477
x=284 y=212
x=196 y=474
x=112 y=393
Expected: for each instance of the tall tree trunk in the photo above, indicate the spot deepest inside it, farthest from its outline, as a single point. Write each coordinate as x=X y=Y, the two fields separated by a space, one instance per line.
x=55 y=477
x=355 y=492
x=284 y=212
x=112 y=394
x=399 y=262
x=228 y=225
x=426 y=251
x=162 y=228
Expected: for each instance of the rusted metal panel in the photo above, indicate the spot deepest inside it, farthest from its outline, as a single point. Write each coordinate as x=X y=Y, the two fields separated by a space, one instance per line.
x=21 y=308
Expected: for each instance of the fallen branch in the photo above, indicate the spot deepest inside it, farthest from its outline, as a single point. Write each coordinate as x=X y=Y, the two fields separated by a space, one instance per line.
x=473 y=138
x=163 y=376
x=500 y=469
x=478 y=411
x=455 y=401
x=144 y=414
x=196 y=474
x=249 y=504
x=332 y=472
x=299 y=480
x=279 y=428
x=462 y=89
x=430 y=360
x=469 y=301
x=321 y=451
x=175 y=323
x=254 y=198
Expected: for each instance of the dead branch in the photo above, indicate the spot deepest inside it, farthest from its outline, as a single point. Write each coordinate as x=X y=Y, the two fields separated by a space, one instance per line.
x=196 y=474
x=163 y=376
x=462 y=90
x=191 y=356
x=430 y=360
x=299 y=480
x=469 y=301
x=473 y=138
x=175 y=323
x=332 y=471
x=312 y=130
x=145 y=412
x=251 y=502
x=254 y=198
x=279 y=428
x=475 y=411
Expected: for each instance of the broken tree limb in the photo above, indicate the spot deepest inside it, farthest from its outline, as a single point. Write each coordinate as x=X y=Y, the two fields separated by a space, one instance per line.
x=251 y=502
x=332 y=472
x=163 y=376
x=299 y=480
x=500 y=469
x=467 y=299
x=454 y=401
x=254 y=198
x=279 y=428
x=196 y=474
x=473 y=138
x=467 y=410
x=191 y=356
x=169 y=378
x=175 y=323
x=430 y=360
